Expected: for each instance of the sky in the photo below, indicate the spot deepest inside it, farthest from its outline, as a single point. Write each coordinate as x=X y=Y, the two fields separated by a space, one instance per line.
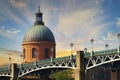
x=71 y=21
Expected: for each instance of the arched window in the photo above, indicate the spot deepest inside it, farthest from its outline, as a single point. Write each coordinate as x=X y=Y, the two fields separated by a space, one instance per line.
x=33 y=52
x=46 y=53
x=24 y=53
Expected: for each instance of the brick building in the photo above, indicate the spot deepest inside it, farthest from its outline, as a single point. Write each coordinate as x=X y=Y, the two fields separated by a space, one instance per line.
x=38 y=42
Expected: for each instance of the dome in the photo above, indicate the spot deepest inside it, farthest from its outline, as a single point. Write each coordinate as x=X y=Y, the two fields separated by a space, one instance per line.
x=39 y=33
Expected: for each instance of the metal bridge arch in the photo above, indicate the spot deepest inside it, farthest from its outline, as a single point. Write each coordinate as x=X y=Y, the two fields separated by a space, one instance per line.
x=100 y=60
x=60 y=64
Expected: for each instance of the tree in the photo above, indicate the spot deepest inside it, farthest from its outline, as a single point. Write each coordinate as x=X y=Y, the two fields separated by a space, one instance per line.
x=62 y=75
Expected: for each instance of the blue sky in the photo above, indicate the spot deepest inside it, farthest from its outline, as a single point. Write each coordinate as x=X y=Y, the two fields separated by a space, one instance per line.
x=71 y=21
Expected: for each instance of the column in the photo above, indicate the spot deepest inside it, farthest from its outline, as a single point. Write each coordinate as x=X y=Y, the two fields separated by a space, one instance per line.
x=80 y=71
x=14 y=72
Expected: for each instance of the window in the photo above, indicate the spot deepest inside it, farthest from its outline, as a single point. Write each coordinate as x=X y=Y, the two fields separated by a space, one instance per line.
x=38 y=18
x=46 y=53
x=33 y=52
x=24 y=53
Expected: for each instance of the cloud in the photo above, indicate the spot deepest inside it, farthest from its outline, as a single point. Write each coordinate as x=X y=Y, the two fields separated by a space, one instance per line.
x=10 y=52
x=9 y=13
x=13 y=16
x=9 y=33
x=13 y=31
x=17 y=3
x=22 y=7
x=6 y=53
x=4 y=33
x=118 y=22
x=110 y=36
x=79 y=27
x=77 y=21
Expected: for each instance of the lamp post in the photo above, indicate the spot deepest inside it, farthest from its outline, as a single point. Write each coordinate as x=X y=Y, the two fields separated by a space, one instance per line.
x=119 y=41
x=71 y=45
x=85 y=50
x=21 y=60
x=92 y=41
x=106 y=46
x=10 y=61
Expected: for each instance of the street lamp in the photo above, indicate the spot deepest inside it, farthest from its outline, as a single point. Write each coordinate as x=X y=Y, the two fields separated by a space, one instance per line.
x=71 y=45
x=106 y=46
x=119 y=41
x=92 y=41
x=10 y=61
x=85 y=50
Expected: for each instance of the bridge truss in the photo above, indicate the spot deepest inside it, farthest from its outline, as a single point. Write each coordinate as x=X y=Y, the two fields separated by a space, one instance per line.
x=99 y=58
x=38 y=66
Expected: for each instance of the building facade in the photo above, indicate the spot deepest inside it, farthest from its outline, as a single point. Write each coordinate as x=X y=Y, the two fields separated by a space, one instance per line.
x=39 y=42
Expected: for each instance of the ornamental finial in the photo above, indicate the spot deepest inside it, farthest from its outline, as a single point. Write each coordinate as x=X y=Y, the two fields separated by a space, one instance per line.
x=38 y=8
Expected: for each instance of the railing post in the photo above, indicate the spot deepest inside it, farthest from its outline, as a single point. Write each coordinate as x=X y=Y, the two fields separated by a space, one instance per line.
x=51 y=59
x=80 y=71
x=119 y=50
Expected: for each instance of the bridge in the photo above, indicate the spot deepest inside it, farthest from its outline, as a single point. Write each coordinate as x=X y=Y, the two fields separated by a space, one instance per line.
x=80 y=62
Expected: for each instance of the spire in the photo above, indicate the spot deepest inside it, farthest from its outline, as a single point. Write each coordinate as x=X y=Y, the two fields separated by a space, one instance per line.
x=39 y=18
x=38 y=8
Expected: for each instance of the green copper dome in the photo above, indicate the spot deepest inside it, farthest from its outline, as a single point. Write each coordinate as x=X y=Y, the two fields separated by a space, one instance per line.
x=39 y=33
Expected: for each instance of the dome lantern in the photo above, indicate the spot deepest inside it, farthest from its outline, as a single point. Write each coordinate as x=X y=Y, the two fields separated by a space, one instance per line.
x=39 y=17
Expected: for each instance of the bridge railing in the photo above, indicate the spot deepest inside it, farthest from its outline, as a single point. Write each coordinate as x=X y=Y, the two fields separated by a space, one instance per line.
x=61 y=58
x=88 y=54
x=45 y=61
x=103 y=52
x=4 y=68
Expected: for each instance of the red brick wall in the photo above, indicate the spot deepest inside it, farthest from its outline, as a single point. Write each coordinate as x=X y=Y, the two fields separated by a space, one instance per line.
x=40 y=47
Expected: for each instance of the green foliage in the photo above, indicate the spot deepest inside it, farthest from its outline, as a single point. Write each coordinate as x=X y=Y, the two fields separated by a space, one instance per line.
x=62 y=75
